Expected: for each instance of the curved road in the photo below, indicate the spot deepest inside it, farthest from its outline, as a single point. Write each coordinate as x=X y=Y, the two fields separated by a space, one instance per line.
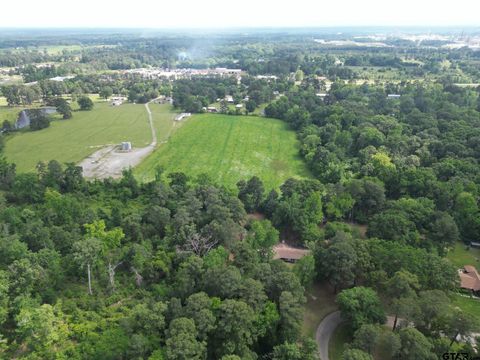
x=327 y=327
x=325 y=331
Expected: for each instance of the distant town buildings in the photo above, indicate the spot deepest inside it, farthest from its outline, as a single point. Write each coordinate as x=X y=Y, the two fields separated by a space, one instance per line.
x=174 y=74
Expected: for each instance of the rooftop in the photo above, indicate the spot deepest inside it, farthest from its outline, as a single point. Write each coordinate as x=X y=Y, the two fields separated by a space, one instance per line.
x=284 y=251
x=469 y=278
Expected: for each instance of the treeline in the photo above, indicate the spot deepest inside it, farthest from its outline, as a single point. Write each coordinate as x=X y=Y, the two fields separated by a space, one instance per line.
x=135 y=88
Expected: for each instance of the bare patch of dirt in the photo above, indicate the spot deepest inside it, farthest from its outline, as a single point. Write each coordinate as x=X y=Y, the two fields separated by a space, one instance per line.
x=110 y=162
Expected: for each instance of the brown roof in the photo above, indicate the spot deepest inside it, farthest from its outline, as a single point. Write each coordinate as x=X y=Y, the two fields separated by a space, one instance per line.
x=284 y=251
x=469 y=278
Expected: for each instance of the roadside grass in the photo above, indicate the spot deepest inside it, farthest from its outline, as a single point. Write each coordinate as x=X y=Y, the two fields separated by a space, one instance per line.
x=460 y=256
x=73 y=139
x=228 y=149
x=320 y=303
x=340 y=337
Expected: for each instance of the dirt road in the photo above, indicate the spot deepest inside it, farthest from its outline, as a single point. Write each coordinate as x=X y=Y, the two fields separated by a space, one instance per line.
x=110 y=161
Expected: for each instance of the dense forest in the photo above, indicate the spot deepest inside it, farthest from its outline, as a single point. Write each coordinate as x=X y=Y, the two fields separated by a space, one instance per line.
x=183 y=268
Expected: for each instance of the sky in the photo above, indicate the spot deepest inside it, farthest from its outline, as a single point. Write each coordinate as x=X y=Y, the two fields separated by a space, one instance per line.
x=245 y=13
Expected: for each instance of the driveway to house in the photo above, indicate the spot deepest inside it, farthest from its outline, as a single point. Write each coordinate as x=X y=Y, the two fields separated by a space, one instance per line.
x=327 y=327
x=325 y=331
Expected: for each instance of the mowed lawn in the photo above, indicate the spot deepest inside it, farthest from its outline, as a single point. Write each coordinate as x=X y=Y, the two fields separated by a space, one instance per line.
x=470 y=305
x=163 y=116
x=73 y=139
x=229 y=148
x=460 y=256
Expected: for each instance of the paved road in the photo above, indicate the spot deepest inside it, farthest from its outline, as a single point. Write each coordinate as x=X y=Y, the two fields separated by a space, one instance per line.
x=325 y=331
x=327 y=327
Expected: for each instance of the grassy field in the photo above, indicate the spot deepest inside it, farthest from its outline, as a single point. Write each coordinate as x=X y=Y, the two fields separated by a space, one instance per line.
x=341 y=336
x=163 y=116
x=471 y=306
x=9 y=113
x=460 y=256
x=229 y=148
x=320 y=303
x=74 y=139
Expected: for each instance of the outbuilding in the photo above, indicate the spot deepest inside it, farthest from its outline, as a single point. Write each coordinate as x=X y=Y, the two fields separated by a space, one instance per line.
x=289 y=253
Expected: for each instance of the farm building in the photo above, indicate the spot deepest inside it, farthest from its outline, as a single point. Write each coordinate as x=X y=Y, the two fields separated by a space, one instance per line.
x=238 y=106
x=289 y=253
x=126 y=146
x=24 y=119
x=470 y=279
x=182 y=116
x=212 y=109
x=229 y=98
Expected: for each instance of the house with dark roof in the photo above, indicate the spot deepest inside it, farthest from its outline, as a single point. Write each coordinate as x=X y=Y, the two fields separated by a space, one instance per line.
x=470 y=279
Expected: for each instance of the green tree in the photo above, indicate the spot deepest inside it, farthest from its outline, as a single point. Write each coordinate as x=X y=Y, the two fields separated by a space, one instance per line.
x=366 y=337
x=415 y=346
x=443 y=232
x=41 y=329
x=291 y=311
x=460 y=324
x=235 y=328
x=110 y=244
x=250 y=106
x=38 y=119
x=305 y=270
x=466 y=213
x=87 y=252
x=199 y=307
x=63 y=108
x=262 y=237
x=361 y=305
x=106 y=92
x=85 y=103
x=181 y=343
x=339 y=255
x=399 y=289
x=356 y=354
x=251 y=193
